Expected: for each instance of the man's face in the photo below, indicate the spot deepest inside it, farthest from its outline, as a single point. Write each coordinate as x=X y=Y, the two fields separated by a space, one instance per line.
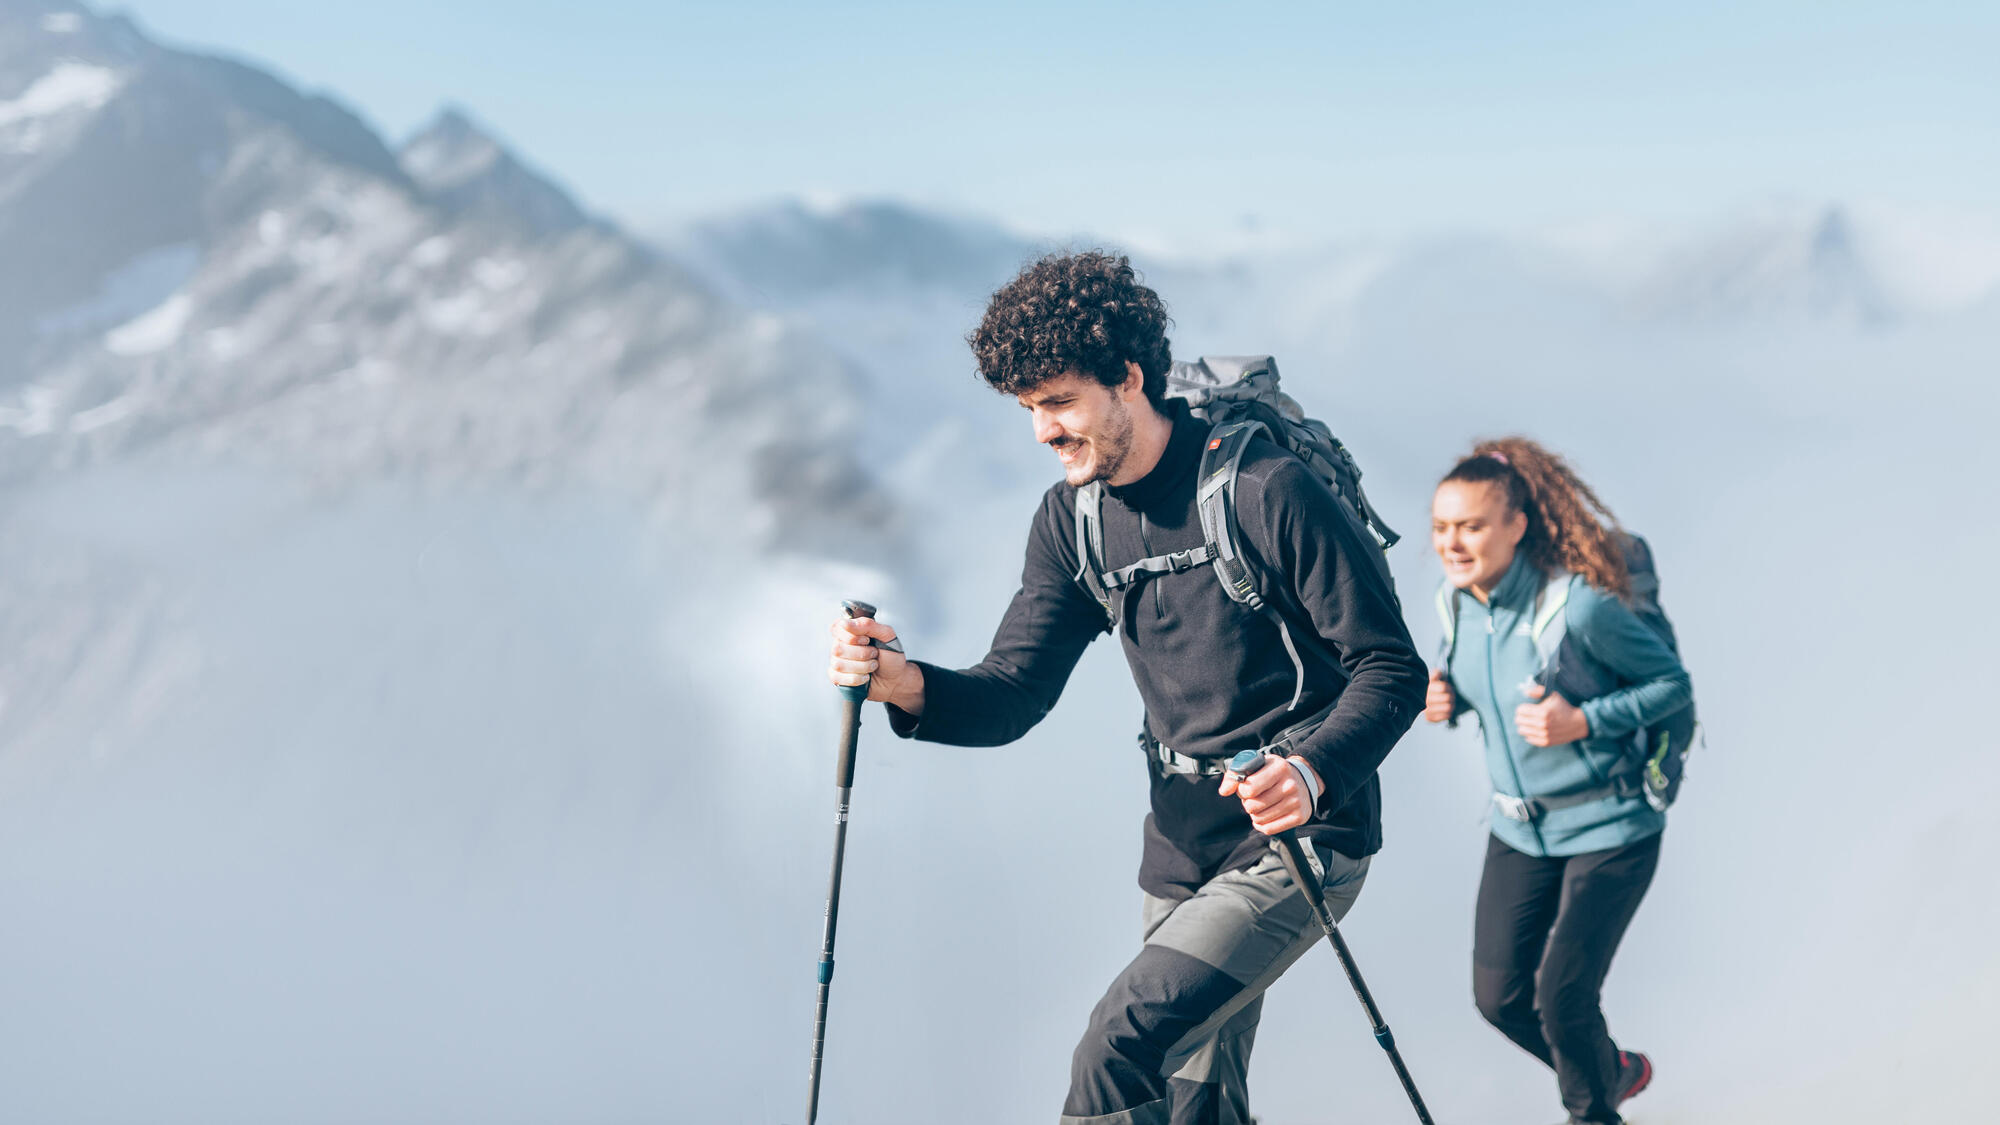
x=1088 y=424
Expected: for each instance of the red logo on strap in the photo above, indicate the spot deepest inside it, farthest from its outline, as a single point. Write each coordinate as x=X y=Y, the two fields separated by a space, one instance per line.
x=1215 y=445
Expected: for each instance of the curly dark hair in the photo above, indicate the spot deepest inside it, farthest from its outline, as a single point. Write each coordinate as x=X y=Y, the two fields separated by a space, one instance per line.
x=1569 y=528
x=1086 y=313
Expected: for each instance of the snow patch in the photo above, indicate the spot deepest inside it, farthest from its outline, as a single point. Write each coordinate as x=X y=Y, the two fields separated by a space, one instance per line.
x=69 y=86
x=499 y=273
x=367 y=373
x=462 y=312
x=36 y=414
x=62 y=23
x=97 y=417
x=153 y=331
x=431 y=251
x=225 y=343
x=127 y=291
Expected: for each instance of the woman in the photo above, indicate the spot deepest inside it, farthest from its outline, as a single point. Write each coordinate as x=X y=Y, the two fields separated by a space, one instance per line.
x=1574 y=842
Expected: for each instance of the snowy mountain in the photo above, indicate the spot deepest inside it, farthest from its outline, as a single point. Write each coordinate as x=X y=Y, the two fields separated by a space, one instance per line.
x=386 y=538
x=197 y=262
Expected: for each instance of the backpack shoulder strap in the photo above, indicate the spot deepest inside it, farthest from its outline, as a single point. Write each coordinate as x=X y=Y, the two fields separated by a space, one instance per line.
x=1550 y=622
x=1090 y=546
x=1549 y=625
x=1447 y=608
x=1215 y=500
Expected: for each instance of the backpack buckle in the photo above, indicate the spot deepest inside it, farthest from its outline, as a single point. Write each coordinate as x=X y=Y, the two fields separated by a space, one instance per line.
x=1169 y=762
x=1514 y=808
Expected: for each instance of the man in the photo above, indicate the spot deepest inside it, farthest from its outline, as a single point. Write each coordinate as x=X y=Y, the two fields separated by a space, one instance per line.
x=1082 y=345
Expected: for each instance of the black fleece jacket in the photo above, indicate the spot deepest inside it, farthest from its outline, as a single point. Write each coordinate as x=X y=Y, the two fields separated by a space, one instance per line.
x=1213 y=675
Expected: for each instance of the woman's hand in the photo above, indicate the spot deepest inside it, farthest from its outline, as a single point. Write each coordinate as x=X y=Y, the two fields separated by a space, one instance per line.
x=1439 y=702
x=1552 y=721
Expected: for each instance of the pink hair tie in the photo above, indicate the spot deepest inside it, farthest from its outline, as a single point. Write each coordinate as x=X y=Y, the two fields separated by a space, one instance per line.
x=1500 y=457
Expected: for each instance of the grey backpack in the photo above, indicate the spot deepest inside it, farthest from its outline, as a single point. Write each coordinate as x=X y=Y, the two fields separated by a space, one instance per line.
x=1238 y=397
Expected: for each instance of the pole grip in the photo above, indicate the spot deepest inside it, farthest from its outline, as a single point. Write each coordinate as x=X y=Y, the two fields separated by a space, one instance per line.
x=852 y=696
x=850 y=735
x=855 y=693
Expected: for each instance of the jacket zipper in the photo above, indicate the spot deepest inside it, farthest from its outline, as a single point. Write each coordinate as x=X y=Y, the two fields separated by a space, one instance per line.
x=1506 y=742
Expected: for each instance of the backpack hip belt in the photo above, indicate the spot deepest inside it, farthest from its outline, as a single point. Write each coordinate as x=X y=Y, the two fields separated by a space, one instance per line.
x=1167 y=761
x=1528 y=810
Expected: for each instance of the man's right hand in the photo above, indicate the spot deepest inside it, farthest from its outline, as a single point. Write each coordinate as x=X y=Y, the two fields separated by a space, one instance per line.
x=1439 y=702
x=890 y=676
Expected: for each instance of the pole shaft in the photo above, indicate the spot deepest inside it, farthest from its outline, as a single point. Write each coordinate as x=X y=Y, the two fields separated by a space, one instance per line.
x=850 y=733
x=826 y=957
x=1293 y=853
x=851 y=699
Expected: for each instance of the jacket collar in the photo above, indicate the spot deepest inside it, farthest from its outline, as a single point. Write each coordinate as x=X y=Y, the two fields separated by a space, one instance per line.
x=1517 y=589
x=1177 y=461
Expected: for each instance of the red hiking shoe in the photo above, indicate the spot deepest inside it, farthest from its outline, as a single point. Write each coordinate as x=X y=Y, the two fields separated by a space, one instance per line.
x=1635 y=1072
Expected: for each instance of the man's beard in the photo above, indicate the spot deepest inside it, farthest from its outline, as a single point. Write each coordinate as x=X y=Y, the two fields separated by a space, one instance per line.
x=1110 y=446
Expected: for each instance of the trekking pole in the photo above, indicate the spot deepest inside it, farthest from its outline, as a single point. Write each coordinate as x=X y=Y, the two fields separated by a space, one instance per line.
x=850 y=732
x=1304 y=873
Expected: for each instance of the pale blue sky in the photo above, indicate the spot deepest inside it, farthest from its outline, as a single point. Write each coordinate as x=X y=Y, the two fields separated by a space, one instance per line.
x=1178 y=123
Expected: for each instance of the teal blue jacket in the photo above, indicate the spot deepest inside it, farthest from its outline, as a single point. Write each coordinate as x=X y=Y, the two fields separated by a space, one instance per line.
x=1493 y=657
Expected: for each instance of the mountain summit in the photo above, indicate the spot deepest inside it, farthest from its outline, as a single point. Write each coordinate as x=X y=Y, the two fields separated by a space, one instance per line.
x=463 y=169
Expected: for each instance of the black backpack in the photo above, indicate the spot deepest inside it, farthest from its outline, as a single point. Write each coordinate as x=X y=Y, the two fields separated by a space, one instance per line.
x=1238 y=397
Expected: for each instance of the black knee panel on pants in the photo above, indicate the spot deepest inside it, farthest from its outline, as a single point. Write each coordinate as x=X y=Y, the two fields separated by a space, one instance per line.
x=1160 y=997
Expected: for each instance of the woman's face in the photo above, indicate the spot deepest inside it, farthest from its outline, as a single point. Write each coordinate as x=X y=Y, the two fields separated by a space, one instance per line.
x=1475 y=533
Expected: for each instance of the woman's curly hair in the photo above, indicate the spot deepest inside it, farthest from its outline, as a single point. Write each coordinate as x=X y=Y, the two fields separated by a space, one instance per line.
x=1564 y=531
x=1086 y=313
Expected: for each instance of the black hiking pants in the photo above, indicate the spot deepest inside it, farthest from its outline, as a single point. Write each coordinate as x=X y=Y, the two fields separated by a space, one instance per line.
x=1543 y=936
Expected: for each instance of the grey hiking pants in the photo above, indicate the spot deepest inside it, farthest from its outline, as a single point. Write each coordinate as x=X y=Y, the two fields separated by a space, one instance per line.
x=1170 y=1042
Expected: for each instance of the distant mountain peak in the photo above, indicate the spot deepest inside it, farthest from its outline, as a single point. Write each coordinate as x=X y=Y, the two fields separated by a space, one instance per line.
x=793 y=248
x=1833 y=235
x=1807 y=264
x=451 y=149
x=462 y=167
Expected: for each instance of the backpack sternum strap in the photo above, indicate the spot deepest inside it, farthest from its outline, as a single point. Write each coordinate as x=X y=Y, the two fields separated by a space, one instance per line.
x=1158 y=564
